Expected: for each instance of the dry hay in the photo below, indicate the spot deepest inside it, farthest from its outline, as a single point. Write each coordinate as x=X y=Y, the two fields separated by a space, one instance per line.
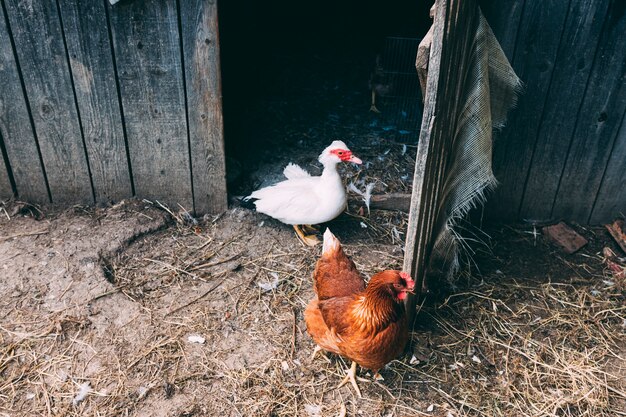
x=505 y=346
x=546 y=349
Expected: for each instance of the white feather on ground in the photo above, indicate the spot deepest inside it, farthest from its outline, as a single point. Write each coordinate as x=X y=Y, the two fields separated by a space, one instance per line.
x=83 y=391
x=367 y=194
x=195 y=338
x=269 y=286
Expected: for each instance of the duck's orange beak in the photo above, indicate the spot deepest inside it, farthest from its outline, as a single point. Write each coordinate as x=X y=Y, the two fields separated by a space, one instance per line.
x=355 y=160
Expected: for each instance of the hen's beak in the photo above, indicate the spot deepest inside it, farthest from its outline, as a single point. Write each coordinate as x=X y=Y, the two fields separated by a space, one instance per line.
x=410 y=284
x=355 y=160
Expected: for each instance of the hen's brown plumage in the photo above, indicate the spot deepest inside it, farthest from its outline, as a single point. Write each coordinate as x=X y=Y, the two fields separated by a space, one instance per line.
x=365 y=324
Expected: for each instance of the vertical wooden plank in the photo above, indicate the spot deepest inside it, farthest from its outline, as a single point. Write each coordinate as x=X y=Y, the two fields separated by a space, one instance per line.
x=569 y=79
x=91 y=61
x=598 y=122
x=16 y=128
x=204 y=102
x=148 y=58
x=538 y=39
x=42 y=58
x=611 y=200
x=450 y=55
x=504 y=18
x=415 y=241
x=6 y=190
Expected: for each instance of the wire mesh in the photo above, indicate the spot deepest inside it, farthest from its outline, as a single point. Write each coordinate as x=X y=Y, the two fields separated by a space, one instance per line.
x=399 y=96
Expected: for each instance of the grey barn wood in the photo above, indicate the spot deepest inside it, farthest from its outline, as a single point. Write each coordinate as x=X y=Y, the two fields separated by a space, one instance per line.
x=120 y=101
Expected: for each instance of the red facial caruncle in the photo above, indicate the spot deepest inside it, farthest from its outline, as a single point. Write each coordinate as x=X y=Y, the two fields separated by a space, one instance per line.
x=346 y=155
x=410 y=285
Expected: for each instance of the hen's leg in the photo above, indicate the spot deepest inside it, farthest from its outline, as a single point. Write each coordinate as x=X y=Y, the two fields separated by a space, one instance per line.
x=317 y=349
x=373 y=106
x=351 y=376
x=309 y=240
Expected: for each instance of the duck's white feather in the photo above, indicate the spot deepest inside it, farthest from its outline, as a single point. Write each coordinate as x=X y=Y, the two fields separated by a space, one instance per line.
x=293 y=171
x=307 y=200
x=302 y=198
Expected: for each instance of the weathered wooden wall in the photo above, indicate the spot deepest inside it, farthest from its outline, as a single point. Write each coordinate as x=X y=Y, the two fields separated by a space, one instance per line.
x=101 y=102
x=562 y=154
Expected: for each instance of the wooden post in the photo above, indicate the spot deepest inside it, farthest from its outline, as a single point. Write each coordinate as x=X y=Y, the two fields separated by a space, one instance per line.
x=204 y=100
x=148 y=56
x=452 y=37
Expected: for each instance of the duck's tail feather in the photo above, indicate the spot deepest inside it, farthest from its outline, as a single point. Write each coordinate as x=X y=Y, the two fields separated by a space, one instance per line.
x=248 y=202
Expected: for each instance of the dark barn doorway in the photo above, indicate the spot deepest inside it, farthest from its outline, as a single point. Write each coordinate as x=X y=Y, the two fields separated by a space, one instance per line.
x=296 y=76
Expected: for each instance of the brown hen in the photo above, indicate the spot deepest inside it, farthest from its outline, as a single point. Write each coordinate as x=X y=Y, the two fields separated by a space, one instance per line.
x=366 y=324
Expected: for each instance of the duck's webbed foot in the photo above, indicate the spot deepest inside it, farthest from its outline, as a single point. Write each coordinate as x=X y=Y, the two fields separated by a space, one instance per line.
x=307 y=240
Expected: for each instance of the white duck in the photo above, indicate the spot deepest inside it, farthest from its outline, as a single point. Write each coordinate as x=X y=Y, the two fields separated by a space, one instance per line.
x=303 y=199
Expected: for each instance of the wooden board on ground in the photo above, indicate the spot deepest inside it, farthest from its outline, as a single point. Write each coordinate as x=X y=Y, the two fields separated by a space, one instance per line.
x=91 y=62
x=42 y=59
x=564 y=237
x=204 y=99
x=391 y=201
x=149 y=64
x=617 y=229
x=16 y=129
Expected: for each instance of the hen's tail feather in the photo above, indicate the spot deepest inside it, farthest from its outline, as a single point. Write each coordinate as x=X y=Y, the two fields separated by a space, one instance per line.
x=331 y=243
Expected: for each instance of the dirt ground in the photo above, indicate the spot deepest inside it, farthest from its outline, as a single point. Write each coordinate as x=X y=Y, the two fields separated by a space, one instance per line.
x=141 y=310
x=153 y=315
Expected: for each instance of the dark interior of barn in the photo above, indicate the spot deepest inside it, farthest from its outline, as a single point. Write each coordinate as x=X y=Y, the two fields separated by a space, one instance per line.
x=298 y=76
